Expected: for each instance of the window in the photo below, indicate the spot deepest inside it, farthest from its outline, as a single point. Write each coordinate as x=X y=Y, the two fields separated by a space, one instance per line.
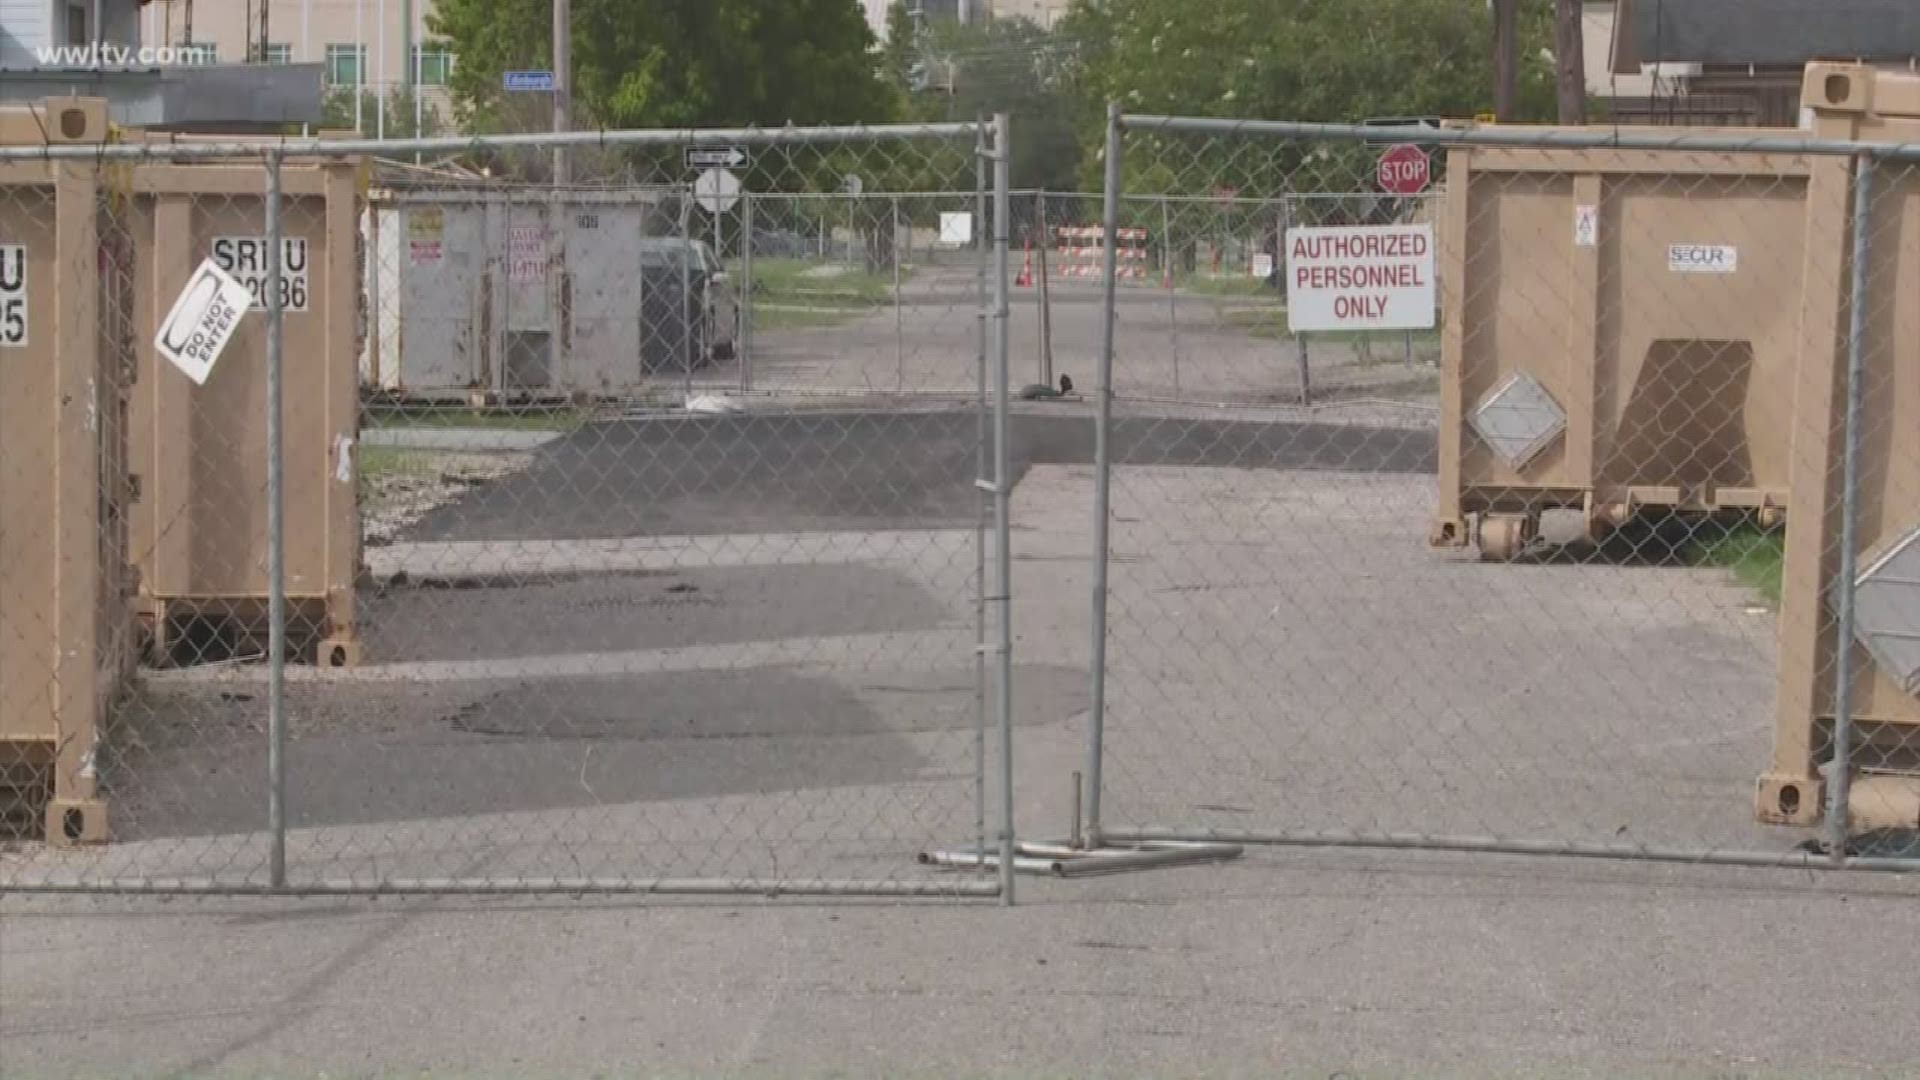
x=197 y=52
x=77 y=25
x=346 y=65
x=433 y=66
x=273 y=54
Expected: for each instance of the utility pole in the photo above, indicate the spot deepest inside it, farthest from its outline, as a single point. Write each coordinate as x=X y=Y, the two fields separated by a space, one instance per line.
x=1570 y=48
x=562 y=81
x=1506 y=48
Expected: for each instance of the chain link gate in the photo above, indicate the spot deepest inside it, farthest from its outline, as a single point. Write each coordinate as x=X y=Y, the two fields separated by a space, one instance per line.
x=1570 y=573
x=641 y=541
x=600 y=536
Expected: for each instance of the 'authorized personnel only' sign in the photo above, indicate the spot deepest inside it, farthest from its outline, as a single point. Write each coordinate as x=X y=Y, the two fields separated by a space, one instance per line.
x=1363 y=277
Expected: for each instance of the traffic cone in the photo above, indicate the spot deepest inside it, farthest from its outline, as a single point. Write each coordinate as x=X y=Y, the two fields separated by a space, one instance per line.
x=1025 y=280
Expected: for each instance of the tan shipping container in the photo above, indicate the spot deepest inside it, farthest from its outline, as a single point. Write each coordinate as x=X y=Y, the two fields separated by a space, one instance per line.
x=200 y=522
x=1855 y=102
x=1587 y=365
x=65 y=362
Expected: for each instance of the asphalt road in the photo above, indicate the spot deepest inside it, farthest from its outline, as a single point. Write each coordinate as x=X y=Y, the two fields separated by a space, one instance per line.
x=820 y=722
x=816 y=673
x=856 y=470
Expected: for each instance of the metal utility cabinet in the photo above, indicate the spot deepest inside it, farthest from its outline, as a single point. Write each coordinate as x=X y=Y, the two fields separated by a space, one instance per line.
x=65 y=652
x=474 y=293
x=1621 y=332
x=1883 y=659
x=200 y=522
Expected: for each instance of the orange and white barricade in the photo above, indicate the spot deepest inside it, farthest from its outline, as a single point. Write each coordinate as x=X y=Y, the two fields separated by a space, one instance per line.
x=1082 y=252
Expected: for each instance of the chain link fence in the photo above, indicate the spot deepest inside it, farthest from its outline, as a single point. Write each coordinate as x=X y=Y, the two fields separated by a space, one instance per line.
x=1199 y=288
x=637 y=511
x=626 y=531
x=1573 y=580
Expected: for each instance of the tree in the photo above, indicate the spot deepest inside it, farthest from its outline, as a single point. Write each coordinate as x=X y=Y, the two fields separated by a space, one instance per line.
x=1569 y=46
x=1315 y=60
x=1011 y=66
x=900 y=54
x=674 y=63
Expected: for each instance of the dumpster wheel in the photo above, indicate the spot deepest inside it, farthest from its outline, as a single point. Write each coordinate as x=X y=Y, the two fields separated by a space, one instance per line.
x=1504 y=536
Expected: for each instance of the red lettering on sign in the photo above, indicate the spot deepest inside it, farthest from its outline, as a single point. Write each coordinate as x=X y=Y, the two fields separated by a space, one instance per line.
x=1359 y=307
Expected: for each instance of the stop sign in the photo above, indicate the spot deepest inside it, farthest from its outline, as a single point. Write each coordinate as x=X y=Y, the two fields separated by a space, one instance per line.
x=1403 y=170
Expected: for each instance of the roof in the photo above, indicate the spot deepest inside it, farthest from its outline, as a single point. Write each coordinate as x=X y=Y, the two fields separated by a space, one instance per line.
x=221 y=98
x=1763 y=31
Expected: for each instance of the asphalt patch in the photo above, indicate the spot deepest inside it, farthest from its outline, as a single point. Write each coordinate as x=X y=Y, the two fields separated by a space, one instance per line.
x=191 y=762
x=591 y=613
x=855 y=470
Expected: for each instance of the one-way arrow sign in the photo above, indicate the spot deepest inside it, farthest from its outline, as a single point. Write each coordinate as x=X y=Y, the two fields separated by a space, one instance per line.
x=716 y=157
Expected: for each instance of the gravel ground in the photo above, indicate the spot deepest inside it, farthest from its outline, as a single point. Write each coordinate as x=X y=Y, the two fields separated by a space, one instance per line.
x=410 y=484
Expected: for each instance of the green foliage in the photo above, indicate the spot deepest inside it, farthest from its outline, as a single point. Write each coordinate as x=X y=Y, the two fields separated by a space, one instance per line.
x=673 y=63
x=1012 y=66
x=1756 y=557
x=900 y=54
x=1315 y=60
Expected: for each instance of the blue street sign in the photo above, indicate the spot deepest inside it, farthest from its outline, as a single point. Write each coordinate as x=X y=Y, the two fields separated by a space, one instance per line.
x=530 y=80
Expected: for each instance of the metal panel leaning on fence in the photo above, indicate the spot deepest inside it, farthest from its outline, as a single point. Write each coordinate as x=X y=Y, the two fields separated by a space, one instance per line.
x=648 y=634
x=1278 y=660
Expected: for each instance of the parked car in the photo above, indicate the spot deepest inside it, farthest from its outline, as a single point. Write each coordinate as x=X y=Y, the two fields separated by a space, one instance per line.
x=713 y=307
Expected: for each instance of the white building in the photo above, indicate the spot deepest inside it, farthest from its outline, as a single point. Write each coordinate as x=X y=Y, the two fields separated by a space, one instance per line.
x=1041 y=12
x=360 y=42
x=91 y=48
x=29 y=26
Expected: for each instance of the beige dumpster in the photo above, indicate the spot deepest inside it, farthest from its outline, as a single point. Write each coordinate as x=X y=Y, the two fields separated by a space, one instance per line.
x=1848 y=101
x=199 y=452
x=65 y=358
x=1620 y=332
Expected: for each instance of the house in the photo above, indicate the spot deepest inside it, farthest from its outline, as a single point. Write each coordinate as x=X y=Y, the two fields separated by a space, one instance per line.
x=1733 y=62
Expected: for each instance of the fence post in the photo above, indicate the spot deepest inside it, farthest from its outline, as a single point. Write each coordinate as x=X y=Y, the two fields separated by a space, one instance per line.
x=981 y=181
x=1003 y=152
x=1102 y=483
x=276 y=545
x=899 y=327
x=1002 y=495
x=1173 y=295
x=1041 y=238
x=686 y=293
x=1840 y=786
x=1306 y=371
x=744 y=346
x=370 y=270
